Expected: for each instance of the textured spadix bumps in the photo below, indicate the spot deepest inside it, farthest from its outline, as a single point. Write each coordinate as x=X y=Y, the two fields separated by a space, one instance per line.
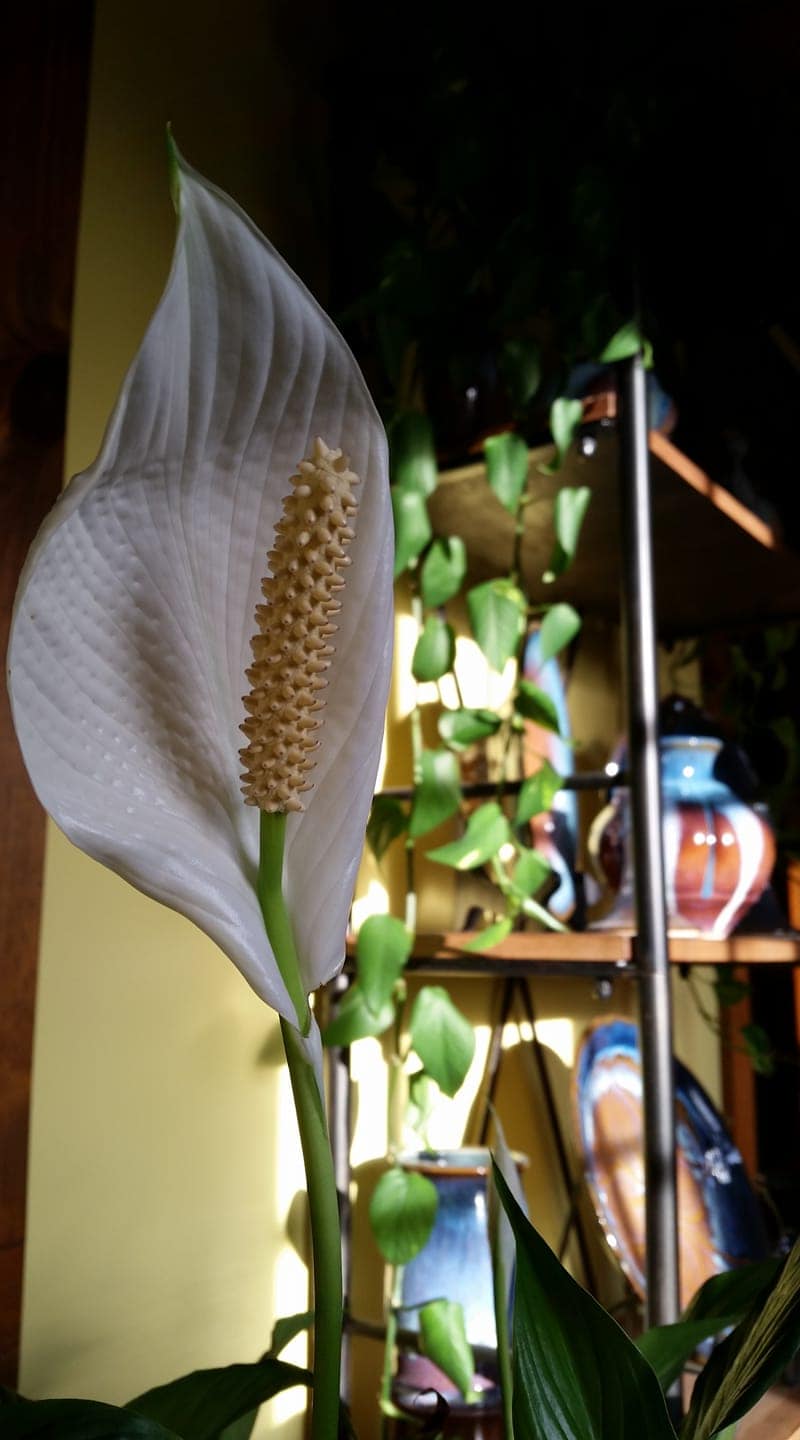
x=134 y=615
x=292 y=651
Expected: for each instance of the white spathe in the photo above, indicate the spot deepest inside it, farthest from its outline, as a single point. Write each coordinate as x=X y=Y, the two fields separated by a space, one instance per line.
x=135 y=609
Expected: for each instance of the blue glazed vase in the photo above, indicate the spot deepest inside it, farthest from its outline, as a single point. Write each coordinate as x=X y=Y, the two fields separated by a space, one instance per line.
x=456 y=1265
x=718 y=850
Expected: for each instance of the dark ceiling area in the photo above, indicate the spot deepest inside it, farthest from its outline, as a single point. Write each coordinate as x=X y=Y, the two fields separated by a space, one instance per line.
x=528 y=172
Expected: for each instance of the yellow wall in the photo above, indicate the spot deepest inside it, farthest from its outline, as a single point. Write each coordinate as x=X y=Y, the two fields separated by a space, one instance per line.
x=162 y=1147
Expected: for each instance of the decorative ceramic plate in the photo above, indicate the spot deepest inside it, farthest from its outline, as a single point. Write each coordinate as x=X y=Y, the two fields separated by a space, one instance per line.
x=719 y=1221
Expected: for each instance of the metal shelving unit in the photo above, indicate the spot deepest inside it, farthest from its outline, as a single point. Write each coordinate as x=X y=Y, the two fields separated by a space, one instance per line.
x=720 y=565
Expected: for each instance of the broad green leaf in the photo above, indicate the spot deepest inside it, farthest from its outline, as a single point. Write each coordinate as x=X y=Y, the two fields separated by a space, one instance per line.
x=577 y=1376
x=443 y=570
x=412 y=453
x=387 y=821
x=241 y=1429
x=627 y=341
x=382 y=949
x=492 y=935
x=442 y=1037
x=412 y=526
x=536 y=705
x=721 y=1302
x=569 y=510
x=560 y=625
x=565 y=417
x=487 y=829
x=435 y=650
x=438 y=794
x=199 y=1405
x=530 y=871
x=507 y=467
x=285 y=1329
x=402 y=1212
x=356 y=1020
x=537 y=793
x=521 y=364
x=744 y=1365
x=77 y=1420
x=462 y=728
x=444 y=1341
x=497 y=613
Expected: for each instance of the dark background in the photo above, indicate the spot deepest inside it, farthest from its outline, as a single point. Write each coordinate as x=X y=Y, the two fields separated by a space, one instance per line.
x=543 y=164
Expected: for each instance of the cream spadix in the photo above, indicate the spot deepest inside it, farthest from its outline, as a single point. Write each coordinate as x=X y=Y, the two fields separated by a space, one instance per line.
x=134 y=615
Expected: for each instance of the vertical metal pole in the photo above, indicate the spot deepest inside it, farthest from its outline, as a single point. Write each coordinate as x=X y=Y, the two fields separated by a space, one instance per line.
x=655 y=1004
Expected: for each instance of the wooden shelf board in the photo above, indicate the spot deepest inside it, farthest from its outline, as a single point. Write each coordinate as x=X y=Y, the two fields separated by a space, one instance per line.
x=716 y=563
x=590 y=950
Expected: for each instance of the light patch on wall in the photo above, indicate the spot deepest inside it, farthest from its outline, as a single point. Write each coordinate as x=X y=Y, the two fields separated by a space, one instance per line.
x=369 y=1075
x=557 y=1033
x=479 y=687
x=291 y=1279
x=374 y=902
x=290 y=1275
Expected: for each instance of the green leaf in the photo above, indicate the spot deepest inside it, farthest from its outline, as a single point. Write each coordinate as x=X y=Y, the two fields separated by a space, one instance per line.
x=77 y=1420
x=435 y=650
x=497 y=613
x=355 y=1018
x=487 y=829
x=412 y=526
x=461 y=728
x=521 y=364
x=443 y=571
x=241 y=1429
x=565 y=417
x=444 y=1341
x=285 y=1329
x=402 y=1212
x=387 y=821
x=537 y=793
x=569 y=510
x=627 y=341
x=442 y=1037
x=412 y=452
x=728 y=989
x=530 y=871
x=744 y=1365
x=536 y=705
x=199 y=1405
x=560 y=625
x=759 y=1047
x=507 y=467
x=438 y=793
x=719 y=1303
x=382 y=949
x=492 y=935
x=577 y=1376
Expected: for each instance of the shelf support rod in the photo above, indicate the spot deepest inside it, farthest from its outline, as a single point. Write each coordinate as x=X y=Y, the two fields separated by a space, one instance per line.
x=655 y=1002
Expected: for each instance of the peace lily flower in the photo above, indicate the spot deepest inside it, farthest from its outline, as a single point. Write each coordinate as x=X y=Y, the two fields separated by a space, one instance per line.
x=135 y=611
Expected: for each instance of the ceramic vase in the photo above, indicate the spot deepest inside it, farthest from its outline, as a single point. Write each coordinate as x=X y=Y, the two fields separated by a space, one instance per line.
x=455 y=1264
x=718 y=850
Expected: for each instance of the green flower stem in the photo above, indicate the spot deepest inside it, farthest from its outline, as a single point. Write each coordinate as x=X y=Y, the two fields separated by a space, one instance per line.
x=276 y=917
x=310 y=1108
x=325 y=1235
